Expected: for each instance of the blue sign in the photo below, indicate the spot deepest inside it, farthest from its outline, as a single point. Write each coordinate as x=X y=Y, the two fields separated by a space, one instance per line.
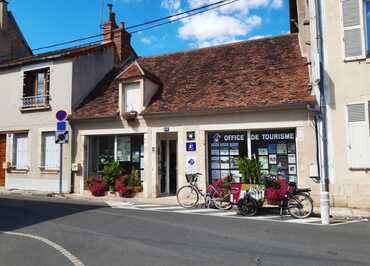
x=61 y=115
x=191 y=146
x=61 y=126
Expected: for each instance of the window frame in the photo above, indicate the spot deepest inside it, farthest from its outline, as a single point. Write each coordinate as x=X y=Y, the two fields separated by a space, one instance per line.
x=125 y=98
x=15 y=159
x=43 y=165
x=32 y=96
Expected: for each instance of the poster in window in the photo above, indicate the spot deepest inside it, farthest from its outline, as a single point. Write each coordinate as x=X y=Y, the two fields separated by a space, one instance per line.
x=291 y=159
x=123 y=149
x=263 y=160
x=236 y=175
x=234 y=149
x=215 y=149
x=272 y=158
x=225 y=173
x=291 y=147
x=292 y=170
x=215 y=162
x=224 y=149
x=216 y=174
x=225 y=162
x=272 y=148
x=281 y=148
x=262 y=151
x=273 y=169
x=234 y=162
x=282 y=162
x=136 y=157
x=293 y=178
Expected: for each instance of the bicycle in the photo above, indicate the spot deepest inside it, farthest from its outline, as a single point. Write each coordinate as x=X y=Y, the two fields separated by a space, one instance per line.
x=188 y=196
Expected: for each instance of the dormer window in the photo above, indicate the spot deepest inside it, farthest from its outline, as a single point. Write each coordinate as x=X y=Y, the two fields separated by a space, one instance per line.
x=36 y=89
x=133 y=98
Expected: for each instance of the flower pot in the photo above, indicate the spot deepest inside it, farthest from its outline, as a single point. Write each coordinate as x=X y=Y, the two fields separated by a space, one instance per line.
x=130 y=116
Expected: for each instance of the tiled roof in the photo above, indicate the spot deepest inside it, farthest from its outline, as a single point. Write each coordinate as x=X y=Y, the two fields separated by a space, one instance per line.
x=255 y=74
x=59 y=54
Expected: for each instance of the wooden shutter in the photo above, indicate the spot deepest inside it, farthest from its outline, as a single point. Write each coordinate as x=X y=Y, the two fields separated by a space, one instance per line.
x=353 y=29
x=358 y=135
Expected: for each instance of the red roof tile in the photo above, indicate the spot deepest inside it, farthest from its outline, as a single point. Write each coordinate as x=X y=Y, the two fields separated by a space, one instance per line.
x=253 y=74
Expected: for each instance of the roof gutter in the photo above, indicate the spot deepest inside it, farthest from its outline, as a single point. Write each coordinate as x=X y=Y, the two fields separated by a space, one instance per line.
x=228 y=110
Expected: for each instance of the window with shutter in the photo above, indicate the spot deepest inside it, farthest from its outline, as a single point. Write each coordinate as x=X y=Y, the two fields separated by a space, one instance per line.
x=358 y=135
x=133 y=99
x=36 y=88
x=353 y=29
x=50 y=151
x=20 y=151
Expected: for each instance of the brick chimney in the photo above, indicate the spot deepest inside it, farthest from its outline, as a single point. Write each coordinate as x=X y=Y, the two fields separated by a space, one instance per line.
x=3 y=14
x=118 y=35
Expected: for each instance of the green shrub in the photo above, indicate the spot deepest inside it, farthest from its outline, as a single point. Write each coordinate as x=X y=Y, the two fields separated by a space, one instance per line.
x=250 y=170
x=111 y=172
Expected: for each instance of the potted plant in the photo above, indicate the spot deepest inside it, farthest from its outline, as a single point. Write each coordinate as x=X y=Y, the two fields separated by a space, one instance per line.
x=250 y=170
x=136 y=182
x=130 y=116
x=97 y=186
x=110 y=173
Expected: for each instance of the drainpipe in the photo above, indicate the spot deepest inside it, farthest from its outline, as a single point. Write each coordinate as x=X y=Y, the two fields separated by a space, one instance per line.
x=322 y=115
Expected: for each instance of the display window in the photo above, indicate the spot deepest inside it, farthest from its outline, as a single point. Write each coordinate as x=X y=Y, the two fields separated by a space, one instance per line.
x=276 y=152
x=274 y=149
x=224 y=149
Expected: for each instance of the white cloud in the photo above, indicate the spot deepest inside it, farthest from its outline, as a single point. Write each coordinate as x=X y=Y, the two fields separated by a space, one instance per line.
x=146 y=40
x=228 y=23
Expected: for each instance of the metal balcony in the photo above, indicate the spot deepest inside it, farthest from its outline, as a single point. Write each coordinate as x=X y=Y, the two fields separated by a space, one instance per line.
x=32 y=102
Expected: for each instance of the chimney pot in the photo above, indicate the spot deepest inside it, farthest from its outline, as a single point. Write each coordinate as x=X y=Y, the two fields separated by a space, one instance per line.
x=3 y=14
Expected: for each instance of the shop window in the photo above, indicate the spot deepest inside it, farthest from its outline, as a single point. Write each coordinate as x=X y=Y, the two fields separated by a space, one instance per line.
x=276 y=152
x=224 y=149
x=50 y=152
x=20 y=151
x=126 y=149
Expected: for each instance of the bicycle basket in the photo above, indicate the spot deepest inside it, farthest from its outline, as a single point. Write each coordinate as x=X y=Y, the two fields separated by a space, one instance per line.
x=189 y=177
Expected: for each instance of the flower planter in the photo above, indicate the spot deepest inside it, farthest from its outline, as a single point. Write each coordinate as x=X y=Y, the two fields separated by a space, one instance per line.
x=130 y=116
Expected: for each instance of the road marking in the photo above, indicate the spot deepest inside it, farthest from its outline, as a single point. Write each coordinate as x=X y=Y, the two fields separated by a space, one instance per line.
x=147 y=205
x=195 y=210
x=73 y=259
x=222 y=214
x=164 y=208
x=303 y=221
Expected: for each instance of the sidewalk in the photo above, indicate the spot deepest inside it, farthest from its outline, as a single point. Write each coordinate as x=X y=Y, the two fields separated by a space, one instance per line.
x=170 y=200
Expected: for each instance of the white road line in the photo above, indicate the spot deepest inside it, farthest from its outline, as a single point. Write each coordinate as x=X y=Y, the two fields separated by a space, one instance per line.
x=146 y=205
x=73 y=259
x=303 y=221
x=266 y=217
x=195 y=210
x=165 y=208
x=222 y=214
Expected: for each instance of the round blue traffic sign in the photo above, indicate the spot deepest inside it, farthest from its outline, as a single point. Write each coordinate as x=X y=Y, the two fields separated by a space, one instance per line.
x=61 y=115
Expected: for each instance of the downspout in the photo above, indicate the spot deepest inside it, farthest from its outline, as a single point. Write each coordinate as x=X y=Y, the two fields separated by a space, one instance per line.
x=324 y=180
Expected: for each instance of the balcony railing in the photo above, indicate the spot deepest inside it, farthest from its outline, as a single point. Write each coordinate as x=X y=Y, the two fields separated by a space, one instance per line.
x=35 y=102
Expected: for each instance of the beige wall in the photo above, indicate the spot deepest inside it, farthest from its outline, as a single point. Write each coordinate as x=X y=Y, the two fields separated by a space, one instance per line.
x=67 y=86
x=348 y=82
x=155 y=128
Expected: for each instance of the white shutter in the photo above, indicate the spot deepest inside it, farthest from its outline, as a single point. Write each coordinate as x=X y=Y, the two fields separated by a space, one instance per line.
x=353 y=29
x=358 y=136
x=133 y=100
x=21 y=151
x=50 y=151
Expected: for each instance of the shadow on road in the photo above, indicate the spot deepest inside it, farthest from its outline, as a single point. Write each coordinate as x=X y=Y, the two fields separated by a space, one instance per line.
x=16 y=213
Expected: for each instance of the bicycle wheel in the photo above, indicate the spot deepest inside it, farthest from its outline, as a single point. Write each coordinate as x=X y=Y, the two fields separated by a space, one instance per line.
x=300 y=206
x=222 y=202
x=248 y=207
x=187 y=196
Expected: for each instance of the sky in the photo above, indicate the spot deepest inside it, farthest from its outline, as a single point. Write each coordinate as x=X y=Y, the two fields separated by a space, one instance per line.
x=45 y=22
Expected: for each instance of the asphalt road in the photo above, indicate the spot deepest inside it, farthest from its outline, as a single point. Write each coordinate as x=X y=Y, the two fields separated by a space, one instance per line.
x=59 y=232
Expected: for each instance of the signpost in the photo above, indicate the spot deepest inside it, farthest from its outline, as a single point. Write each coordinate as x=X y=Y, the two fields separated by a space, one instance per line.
x=61 y=137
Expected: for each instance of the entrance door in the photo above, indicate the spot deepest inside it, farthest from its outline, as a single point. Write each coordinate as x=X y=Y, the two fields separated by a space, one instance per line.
x=2 y=159
x=168 y=167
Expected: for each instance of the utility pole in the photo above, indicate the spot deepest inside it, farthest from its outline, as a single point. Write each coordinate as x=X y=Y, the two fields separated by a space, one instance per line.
x=318 y=55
